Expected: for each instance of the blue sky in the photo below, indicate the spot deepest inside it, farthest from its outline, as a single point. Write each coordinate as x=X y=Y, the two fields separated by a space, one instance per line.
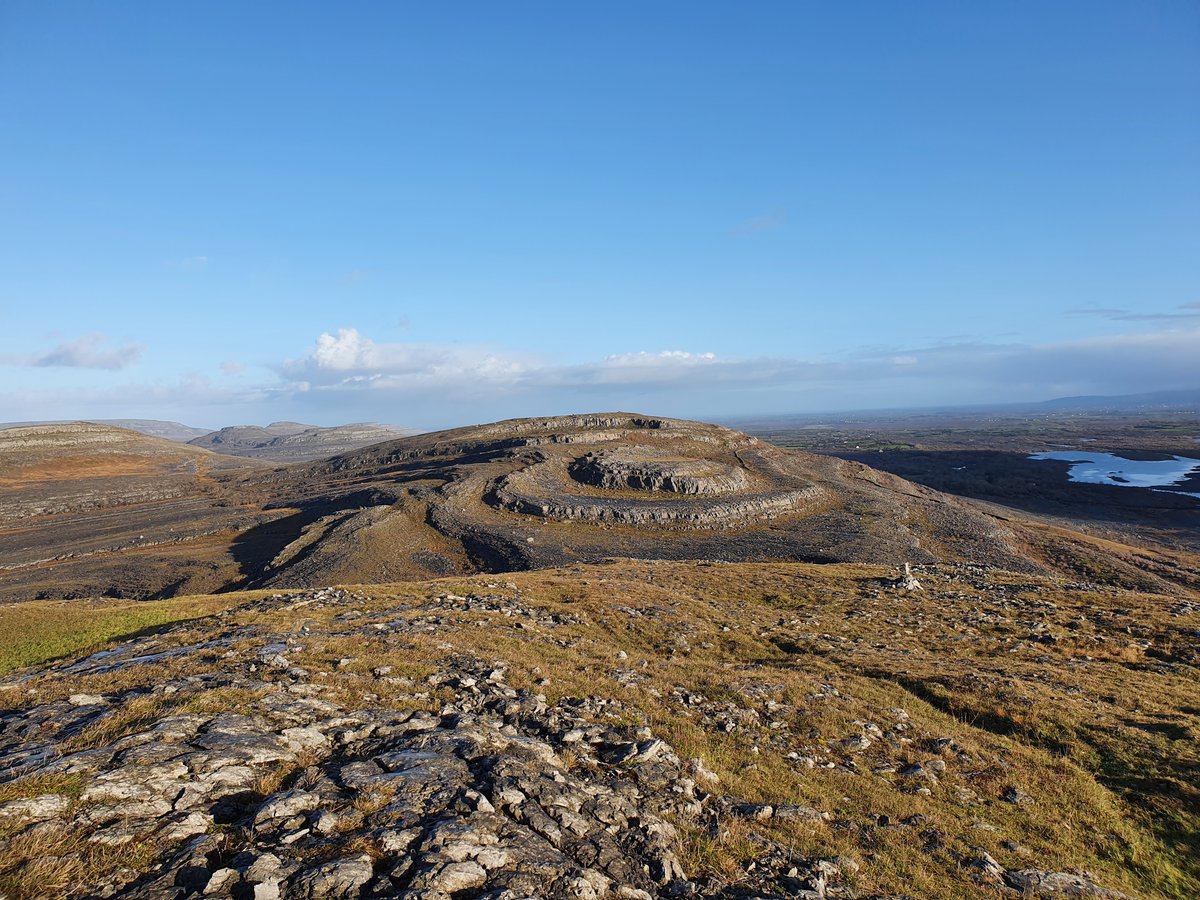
x=436 y=214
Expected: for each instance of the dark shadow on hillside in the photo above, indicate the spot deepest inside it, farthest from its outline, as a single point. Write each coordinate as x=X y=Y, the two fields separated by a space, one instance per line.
x=254 y=548
x=1036 y=486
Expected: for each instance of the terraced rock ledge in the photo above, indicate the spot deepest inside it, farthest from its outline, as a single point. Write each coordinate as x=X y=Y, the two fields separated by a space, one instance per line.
x=697 y=493
x=642 y=472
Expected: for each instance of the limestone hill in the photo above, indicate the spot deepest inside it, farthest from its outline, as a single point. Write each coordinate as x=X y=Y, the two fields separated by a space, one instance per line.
x=88 y=509
x=531 y=493
x=516 y=495
x=293 y=442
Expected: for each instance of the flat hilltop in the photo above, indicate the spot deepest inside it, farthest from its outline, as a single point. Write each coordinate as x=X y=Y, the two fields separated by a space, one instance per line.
x=631 y=729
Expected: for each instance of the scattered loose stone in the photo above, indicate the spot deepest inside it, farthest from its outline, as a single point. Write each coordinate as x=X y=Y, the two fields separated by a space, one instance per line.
x=463 y=789
x=1015 y=796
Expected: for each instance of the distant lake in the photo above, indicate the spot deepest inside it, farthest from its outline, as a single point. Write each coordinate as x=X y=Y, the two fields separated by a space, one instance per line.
x=1105 y=468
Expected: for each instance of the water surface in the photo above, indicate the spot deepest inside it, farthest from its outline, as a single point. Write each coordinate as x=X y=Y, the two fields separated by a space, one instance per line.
x=1107 y=468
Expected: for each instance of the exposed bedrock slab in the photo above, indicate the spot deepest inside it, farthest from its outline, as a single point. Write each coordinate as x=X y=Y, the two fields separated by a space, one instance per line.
x=602 y=509
x=675 y=488
x=641 y=472
x=472 y=797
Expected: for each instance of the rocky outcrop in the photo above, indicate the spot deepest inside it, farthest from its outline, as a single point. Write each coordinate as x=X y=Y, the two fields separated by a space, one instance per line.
x=489 y=792
x=652 y=482
x=605 y=509
x=641 y=472
x=621 y=423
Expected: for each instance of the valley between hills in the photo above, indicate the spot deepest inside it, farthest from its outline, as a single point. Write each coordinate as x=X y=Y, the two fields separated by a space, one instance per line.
x=608 y=655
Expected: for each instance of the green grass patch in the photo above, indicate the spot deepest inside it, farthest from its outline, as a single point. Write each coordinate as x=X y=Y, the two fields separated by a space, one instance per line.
x=40 y=630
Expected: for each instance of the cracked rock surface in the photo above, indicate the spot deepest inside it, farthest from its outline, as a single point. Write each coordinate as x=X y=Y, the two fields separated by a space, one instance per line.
x=333 y=743
x=472 y=798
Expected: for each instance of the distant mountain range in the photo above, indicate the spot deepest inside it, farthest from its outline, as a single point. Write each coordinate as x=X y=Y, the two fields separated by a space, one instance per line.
x=299 y=442
x=277 y=442
x=171 y=431
x=1175 y=400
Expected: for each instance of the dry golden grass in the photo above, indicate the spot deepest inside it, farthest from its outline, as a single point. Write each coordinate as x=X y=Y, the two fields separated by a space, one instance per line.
x=51 y=861
x=1081 y=732
x=73 y=468
x=31 y=786
x=1087 y=701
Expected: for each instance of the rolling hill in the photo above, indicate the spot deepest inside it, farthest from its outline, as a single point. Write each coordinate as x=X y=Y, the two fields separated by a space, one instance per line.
x=88 y=510
x=292 y=441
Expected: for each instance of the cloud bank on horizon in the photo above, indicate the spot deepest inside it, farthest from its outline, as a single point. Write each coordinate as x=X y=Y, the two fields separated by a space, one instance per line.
x=345 y=375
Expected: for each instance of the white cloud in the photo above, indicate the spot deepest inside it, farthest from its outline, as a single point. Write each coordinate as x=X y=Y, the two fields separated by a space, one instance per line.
x=640 y=368
x=663 y=358
x=347 y=376
x=348 y=350
x=86 y=352
x=349 y=362
x=347 y=359
x=232 y=367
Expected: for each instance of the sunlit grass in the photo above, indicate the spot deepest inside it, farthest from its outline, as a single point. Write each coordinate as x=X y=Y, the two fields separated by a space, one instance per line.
x=36 y=631
x=1064 y=694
